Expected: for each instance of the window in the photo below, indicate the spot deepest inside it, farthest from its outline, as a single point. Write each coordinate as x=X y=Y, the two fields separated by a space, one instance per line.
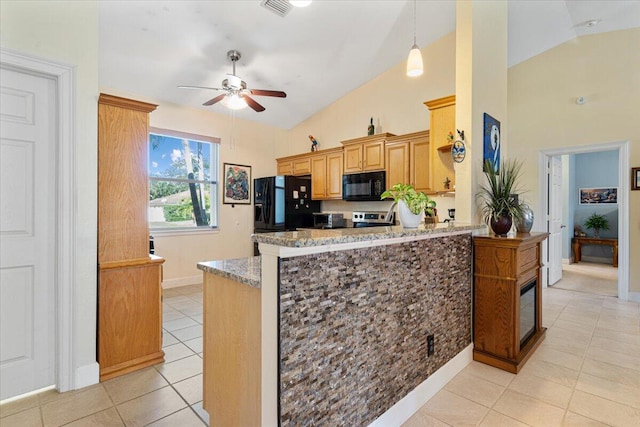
x=183 y=181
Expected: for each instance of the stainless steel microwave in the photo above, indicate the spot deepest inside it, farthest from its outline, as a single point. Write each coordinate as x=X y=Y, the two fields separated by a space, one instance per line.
x=366 y=186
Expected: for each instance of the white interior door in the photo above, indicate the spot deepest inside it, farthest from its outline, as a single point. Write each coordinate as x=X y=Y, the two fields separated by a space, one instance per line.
x=27 y=233
x=555 y=220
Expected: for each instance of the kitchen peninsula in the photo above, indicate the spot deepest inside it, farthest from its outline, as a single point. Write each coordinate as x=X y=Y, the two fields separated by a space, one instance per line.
x=331 y=327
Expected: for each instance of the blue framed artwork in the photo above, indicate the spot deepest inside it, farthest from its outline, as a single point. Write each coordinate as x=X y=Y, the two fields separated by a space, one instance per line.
x=491 y=136
x=590 y=196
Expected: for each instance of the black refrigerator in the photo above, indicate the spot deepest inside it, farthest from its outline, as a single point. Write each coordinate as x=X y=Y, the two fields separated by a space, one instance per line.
x=283 y=203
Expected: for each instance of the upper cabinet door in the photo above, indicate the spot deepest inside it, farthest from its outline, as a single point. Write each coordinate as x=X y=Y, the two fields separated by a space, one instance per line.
x=373 y=156
x=397 y=163
x=353 y=158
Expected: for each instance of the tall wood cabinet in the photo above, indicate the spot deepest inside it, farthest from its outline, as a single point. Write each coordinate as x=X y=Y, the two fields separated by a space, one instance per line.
x=442 y=121
x=407 y=160
x=507 y=299
x=129 y=278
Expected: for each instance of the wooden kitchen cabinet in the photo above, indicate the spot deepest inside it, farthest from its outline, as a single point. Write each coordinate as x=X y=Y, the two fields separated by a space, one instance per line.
x=365 y=154
x=129 y=279
x=285 y=167
x=407 y=160
x=326 y=174
x=442 y=121
x=295 y=165
x=507 y=299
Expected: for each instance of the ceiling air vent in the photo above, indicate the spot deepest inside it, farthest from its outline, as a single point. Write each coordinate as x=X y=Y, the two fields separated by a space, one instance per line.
x=279 y=7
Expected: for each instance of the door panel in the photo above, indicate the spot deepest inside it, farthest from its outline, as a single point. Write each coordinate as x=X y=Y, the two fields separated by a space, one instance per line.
x=27 y=233
x=555 y=220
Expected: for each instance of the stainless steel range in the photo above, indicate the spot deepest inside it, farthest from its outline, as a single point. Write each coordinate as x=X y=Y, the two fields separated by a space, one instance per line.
x=373 y=219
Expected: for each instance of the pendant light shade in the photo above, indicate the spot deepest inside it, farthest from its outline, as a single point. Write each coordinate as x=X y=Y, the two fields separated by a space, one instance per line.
x=414 y=62
x=234 y=102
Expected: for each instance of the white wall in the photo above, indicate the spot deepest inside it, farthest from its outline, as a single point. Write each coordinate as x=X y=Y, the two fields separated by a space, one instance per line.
x=395 y=101
x=67 y=32
x=543 y=114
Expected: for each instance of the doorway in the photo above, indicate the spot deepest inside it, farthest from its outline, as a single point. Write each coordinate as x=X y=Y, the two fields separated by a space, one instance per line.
x=549 y=193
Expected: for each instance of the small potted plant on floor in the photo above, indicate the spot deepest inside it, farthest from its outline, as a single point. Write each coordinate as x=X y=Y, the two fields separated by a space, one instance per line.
x=411 y=204
x=498 y=204
x=597 y=222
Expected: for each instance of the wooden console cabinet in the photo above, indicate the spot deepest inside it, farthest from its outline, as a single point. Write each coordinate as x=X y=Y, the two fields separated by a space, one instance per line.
x=129 y=279
x=507 y=326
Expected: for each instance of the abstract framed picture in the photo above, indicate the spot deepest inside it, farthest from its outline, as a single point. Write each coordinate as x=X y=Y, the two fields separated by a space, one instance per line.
x=237 y=184
x=595 y=196
x=635 y=178
x=491 y=139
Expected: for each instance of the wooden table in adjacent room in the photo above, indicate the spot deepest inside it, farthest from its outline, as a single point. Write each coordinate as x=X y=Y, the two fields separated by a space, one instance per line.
x=578 y=242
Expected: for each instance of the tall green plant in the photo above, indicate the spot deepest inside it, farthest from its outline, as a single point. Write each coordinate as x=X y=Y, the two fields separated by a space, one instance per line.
x=497 y=194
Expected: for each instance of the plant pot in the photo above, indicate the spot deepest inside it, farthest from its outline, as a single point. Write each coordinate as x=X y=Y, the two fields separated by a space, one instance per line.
x=502 y=225
x=430 y=222
x=526 y=222
x=407 y=218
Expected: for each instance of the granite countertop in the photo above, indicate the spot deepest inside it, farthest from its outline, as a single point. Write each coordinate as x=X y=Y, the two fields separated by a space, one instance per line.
x=243 y=270
x=320 y=237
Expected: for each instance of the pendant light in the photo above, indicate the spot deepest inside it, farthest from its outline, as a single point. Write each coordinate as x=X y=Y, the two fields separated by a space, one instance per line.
x=414 y=62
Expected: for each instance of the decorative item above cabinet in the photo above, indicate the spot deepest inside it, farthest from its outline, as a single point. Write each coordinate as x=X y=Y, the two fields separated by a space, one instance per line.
x=365 y=154
x=442 y=124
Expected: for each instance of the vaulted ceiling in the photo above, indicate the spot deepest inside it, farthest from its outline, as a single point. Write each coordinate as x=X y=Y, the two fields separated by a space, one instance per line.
x=315 y=54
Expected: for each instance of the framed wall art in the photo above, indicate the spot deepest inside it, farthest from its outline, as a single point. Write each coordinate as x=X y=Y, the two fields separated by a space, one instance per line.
x=237 y=184
x=635 y=178
x=491 y=139
x=595 y=196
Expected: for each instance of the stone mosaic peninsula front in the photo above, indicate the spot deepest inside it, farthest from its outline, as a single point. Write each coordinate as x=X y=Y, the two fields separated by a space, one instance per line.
x=354 y=325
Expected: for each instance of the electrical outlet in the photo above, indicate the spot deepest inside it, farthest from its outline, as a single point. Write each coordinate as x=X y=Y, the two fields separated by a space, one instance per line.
x=431 y=348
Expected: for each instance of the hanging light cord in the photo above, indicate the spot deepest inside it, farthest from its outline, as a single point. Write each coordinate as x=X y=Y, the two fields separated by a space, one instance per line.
x=414 y=22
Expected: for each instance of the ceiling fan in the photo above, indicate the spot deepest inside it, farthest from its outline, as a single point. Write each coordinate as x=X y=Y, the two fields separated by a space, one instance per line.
x=236 y=94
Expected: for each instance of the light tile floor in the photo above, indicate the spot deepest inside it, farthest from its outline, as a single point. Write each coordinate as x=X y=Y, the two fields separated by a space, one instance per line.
x=168 y=394
x=585 y=373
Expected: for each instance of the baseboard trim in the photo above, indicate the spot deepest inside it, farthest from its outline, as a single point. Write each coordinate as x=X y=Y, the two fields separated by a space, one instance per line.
x=634 y=296
x=86 y=375
x=412 y=402
x=567 y=261
x=182 y=281
x=597 y=260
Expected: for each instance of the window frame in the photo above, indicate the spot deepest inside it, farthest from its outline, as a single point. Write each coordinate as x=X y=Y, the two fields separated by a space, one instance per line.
x=213 y=181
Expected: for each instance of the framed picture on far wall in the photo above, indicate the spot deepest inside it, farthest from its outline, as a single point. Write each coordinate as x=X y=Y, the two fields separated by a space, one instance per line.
x=237 y=184
x=594 y=196
x=635 y=178
x=491 y=139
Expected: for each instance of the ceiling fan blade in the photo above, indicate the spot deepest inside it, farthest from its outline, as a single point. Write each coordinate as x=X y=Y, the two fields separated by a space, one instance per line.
x=261 y=92
x=214 y=100
x=199 y=87
x=252 y=103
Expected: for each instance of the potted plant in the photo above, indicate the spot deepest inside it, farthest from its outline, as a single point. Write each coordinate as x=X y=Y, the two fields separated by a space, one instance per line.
x=411 y=204
x=499 y=204
x=597 y=222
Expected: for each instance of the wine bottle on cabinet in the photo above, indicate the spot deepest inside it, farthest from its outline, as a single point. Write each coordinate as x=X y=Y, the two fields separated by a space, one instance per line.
x=371 y=128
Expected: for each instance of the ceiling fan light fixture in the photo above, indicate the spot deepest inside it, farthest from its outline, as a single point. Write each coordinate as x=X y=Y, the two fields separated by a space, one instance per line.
x=233 y=101
x=414 y=62
x=300 y=3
